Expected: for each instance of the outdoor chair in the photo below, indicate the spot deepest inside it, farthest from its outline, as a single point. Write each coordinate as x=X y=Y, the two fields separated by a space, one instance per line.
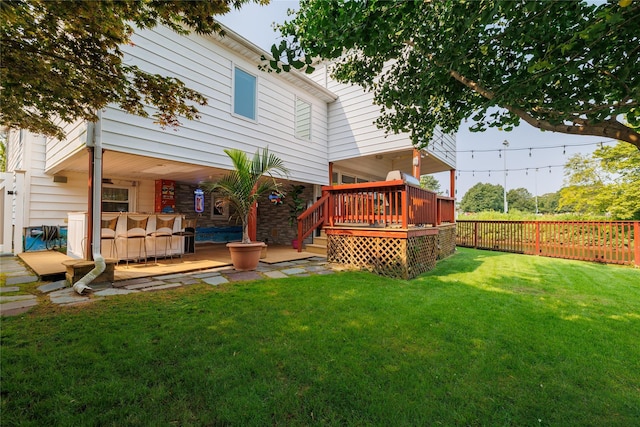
x=108 y=232
x=164 y=228
x=136 y=230
x=189 y=233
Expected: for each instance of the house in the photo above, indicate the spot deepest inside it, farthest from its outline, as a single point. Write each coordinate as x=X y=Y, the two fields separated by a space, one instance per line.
x=322 y=129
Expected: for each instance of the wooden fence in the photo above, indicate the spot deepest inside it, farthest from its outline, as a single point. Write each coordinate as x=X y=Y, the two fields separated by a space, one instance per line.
x=613 y=242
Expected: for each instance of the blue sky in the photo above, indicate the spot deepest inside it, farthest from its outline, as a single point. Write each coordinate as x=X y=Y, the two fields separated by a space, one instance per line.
x=255 y=24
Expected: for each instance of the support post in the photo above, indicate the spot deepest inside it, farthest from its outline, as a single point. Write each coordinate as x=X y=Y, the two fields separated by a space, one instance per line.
x=452 y=183
x=416 y=163
x=636 y=241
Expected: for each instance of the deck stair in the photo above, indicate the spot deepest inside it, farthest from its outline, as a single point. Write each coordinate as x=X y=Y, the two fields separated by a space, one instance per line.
x=319 y=245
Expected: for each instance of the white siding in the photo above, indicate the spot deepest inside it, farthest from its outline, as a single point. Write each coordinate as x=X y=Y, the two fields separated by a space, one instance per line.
x=57 y=150
x=15 y=150
x=207 y=67
x=352 y=129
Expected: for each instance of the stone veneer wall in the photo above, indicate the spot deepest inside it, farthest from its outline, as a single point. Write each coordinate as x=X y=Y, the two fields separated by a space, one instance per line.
x=185 y=206
x=273 y=220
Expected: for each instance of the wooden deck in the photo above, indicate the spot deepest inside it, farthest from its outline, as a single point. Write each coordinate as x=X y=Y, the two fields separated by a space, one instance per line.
x=48 y=264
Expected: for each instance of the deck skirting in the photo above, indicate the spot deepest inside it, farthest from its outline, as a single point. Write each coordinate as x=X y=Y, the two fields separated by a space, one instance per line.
x=400 y=253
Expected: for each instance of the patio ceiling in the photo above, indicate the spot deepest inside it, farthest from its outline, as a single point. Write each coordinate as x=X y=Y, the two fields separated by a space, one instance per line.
x=134 y=167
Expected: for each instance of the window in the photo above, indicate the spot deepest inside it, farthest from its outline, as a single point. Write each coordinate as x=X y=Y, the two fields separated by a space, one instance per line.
x=244 y=94
x=219 y=207
x=346 y=179
x=115 y=199
x=303 y=119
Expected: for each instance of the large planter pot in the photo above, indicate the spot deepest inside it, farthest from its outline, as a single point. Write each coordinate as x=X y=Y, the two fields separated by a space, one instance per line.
x=245 y=256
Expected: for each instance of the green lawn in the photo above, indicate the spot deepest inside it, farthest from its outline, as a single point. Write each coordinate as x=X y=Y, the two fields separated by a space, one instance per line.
x=486 y=339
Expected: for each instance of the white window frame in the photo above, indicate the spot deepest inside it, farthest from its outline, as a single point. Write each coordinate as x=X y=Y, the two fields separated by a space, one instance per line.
x=233 y=94
x=296 y=125
x=131 y=191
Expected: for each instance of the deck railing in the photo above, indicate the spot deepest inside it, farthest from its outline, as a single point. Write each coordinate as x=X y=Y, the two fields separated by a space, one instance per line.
x=614 y=242
x=376 y=204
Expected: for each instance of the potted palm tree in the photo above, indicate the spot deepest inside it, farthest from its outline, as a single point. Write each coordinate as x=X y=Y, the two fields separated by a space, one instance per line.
x=241 y=188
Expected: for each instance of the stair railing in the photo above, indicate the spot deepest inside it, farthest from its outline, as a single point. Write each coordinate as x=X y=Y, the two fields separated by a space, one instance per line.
x=314 y=217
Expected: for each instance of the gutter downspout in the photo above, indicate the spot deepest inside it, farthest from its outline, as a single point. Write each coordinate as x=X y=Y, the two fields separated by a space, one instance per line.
x=94 y=141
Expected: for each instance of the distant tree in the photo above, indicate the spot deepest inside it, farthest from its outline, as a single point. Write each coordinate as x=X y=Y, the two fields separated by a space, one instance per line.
x=521 y=199
x=430 y=183
x=606 y=182
x=62 y=60
x=563 y=66
x=548 y=203
x=483 y=197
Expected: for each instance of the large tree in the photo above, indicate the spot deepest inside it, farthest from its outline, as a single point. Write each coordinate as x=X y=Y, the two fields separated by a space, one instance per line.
x=62 y=60
x=520 y=199
x=606 y=182
x=563 y=66
x=483 y=197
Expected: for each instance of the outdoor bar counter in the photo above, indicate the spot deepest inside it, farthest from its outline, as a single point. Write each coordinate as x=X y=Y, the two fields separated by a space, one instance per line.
x=159 y=233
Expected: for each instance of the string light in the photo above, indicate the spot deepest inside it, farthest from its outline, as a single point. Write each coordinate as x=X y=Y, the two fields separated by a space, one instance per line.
x=547 y=147
x=530 y=152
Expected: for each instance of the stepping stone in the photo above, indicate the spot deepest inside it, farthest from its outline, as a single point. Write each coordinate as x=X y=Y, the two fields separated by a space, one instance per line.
x=169 y=276
x=188 y=281
x=275 y=274
x=4 y=289
x=114 y=291
x=215 y=281
x=293 y=271
x=130 y=282
x=21 y=279
x=325 y=272
x=17 y=307
x=148 y=284
x=243 y=276
x=53 y=286
x=282 y=264
x=162 y=287
x=67 y=296
x=205 y=275
x=315 y=268
x=16 y=298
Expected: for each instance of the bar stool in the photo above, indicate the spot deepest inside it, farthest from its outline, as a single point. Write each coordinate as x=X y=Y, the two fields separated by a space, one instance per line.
x=136 y=229
x=108 y=232
x=189 y=233
x=164 y=228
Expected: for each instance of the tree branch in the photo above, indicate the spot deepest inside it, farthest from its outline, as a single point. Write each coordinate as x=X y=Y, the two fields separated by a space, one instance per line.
x=609 y=129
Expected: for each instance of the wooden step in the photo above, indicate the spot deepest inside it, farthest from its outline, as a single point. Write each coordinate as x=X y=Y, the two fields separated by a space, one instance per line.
x=316 y=249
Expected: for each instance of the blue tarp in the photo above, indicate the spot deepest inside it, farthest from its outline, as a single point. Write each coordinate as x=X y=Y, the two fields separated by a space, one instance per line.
x=43 y=238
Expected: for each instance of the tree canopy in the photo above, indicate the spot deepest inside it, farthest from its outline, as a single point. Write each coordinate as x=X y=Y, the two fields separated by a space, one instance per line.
x=563 y=66
x=606 y=182
x=483 y=197
x=62 y=60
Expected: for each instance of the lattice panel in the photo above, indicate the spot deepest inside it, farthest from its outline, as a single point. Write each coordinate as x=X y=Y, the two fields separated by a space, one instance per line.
x=421 y=255
x=446 y=241
x=392 y=257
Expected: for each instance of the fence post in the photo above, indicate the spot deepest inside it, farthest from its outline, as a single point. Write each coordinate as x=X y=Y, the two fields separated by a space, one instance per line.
x=636 y=243
x=537 y=237
x=475 y=234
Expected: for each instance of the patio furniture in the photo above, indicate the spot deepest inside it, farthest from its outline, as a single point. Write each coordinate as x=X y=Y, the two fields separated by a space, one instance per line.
x=164 y=228
x=136 y=230
x=189 y=234
x=108 y=232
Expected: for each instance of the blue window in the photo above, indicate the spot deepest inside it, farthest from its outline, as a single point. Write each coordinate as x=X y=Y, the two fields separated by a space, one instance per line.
x=244 y=94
